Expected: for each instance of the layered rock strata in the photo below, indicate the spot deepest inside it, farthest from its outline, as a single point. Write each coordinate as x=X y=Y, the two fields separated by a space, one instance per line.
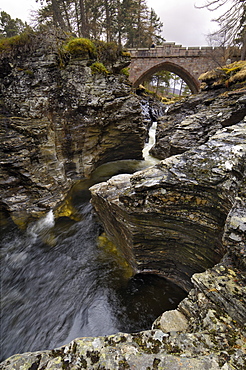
x=193 y=121
x=170 y=218
x=207 y=330
x=59 y=123
x=183 y=216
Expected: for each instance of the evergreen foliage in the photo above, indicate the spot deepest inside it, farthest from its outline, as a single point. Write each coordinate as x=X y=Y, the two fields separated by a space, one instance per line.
x=10 y=27
x=107 y=52
x=127 y=22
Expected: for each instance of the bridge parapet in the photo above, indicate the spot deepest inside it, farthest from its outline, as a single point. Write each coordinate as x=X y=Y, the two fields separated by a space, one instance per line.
x=187 y=62
x=171 y=49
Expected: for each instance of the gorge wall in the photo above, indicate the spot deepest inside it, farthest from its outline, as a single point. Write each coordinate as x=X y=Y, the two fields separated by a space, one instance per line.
x=169 y=219
x=184 y=218
x=59 y=121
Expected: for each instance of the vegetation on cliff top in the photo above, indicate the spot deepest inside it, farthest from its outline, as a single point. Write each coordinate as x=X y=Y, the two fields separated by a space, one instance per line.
x=102 y=55
x=17 y=42
x=128 y=23
x=105 y=52
x=225 y=76
x=80 y=47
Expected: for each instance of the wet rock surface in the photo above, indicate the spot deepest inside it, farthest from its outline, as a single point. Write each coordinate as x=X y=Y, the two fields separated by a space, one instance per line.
x=170 y=218
x=58 y=124
x=192 y=122
x=185 y=219
x=204 y=189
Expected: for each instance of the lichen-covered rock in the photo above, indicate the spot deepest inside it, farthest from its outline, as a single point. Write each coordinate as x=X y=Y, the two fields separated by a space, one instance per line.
x=192 y=122
x=184 y=218
x=170 y=218
x=59 y=124
x=217 y=344
x=172 y=320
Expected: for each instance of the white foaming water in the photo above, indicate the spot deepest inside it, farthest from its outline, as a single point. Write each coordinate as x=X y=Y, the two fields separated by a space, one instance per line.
x=46 y=222
x=147 y=157
x=43 y=224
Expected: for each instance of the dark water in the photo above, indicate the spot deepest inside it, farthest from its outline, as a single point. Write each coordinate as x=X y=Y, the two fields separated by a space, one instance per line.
x=59 y=282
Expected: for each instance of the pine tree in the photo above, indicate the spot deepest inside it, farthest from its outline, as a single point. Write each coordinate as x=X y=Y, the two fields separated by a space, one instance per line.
x=128 y=22
x=10 y=27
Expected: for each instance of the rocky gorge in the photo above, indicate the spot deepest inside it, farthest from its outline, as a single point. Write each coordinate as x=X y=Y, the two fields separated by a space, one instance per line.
x=61 y=122
x=183 y=219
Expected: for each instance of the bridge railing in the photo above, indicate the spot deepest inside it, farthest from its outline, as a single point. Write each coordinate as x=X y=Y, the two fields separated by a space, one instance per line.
x=171 y=49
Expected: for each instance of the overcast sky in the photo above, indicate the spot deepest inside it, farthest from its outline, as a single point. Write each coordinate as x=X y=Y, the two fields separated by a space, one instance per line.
x=183 y=23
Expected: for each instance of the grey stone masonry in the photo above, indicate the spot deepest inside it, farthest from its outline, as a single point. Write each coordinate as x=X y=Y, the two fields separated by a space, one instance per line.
x=187 y=62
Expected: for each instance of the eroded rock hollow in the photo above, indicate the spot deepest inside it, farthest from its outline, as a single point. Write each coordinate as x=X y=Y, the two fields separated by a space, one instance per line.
x=170 y=218
x=184 y=218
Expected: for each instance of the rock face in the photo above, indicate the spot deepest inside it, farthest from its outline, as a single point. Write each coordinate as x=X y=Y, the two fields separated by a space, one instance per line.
x=184 y=218
x=192 y=122
x=170 y=218
x=58 y=124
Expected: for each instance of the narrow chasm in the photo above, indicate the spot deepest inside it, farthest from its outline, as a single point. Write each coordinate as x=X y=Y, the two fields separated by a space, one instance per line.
x=62 y=277
x=170 y=218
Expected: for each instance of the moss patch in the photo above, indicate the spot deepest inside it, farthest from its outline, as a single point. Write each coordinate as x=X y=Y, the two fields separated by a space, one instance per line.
x=224 y=76
x=15 y=43
x=100 y=68
x=80 y=47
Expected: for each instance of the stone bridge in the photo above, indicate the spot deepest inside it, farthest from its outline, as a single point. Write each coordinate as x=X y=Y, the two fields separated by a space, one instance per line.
x=186 y=62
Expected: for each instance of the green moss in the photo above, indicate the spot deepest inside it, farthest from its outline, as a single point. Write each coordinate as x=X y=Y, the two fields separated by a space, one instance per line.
x=225 y=76
x=126 y=54
x=125 y=71
x=100 y=68
x=234 y=67
x=10 y=44
x=80 y=47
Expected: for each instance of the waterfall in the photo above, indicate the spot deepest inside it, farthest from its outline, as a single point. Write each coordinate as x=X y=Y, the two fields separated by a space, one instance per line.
x=58 y=283
x=41 y=226
x=150 y=143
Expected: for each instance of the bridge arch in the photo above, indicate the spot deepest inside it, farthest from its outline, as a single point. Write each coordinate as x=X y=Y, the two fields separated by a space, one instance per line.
x=191 y=81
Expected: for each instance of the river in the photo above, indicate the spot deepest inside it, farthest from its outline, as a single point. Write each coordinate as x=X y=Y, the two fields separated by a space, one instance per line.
x=62 y=278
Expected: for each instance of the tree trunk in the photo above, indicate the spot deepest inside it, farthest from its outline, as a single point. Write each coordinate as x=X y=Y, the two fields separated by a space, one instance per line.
x=57 y=15
x=119 y=21
x=77 y=17
x=67 y=15
x=83 y=27
x=108 y=23
x=157 y=85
